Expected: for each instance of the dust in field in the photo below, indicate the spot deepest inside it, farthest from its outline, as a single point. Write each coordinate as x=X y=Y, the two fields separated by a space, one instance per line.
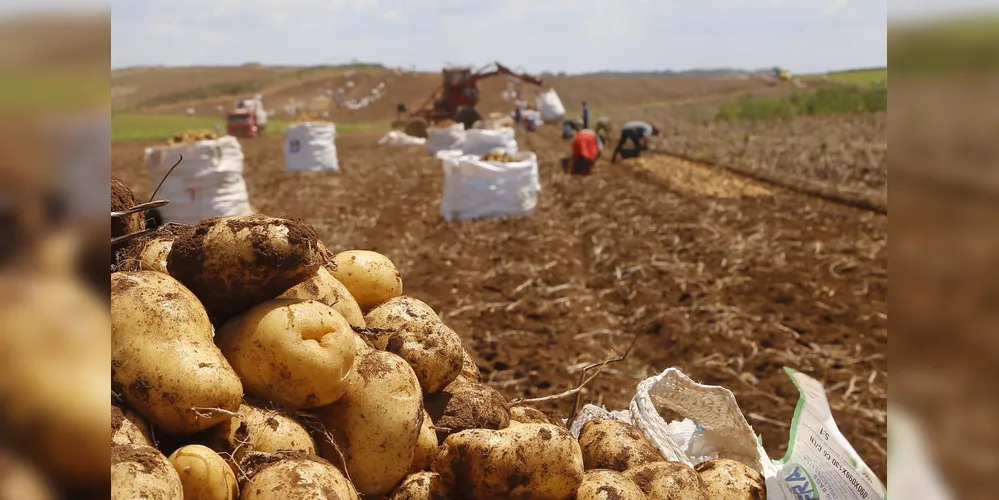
x=701 y=179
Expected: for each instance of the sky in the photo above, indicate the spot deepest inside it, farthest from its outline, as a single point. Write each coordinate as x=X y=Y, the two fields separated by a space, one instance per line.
x=533 y=35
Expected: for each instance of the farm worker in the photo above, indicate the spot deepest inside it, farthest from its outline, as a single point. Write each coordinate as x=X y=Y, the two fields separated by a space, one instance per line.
x=586 y=149
x=586 y=115
x=638 y=132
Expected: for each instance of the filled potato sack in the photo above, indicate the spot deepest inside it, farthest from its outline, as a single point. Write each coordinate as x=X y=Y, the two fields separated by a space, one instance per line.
x=395 y=313
x=125 y=431
x=143 y=472
x=234 y=263
x=164 y=361
x=615 y=445
x=55 y=335
x=466 y=405
x=432 y=349
x=295 y=353
x=536 y=461
x=323 y=287
x=426 y=446
x=422 y=486
x=727 y=479
x=377 y=422
x=204 y=474
x=292 y=476
x=371 y=277
x=668 y=481
x=602 y=484
x=257 y=429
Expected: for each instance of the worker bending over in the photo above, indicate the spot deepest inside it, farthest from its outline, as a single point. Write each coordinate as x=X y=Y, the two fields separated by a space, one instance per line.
x=638 y=132
x=586 y=150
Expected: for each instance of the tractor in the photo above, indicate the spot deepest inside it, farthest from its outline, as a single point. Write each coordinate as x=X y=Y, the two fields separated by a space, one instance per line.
x=455 y=99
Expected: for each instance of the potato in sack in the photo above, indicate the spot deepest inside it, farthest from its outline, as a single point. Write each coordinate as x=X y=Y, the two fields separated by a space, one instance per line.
x=536 y=461
x=164 y=361
x=370 y=276
x=295 y=353
x=234 y=263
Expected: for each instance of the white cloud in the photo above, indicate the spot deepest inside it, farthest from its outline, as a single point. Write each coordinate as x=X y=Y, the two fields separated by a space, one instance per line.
x=833 y=6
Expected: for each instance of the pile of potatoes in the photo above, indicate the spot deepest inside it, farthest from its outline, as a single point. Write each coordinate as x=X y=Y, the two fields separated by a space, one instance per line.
x=250 y=362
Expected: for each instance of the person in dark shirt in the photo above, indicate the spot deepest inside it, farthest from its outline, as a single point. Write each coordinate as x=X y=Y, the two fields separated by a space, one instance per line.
x=637 y=132
x=586 y=115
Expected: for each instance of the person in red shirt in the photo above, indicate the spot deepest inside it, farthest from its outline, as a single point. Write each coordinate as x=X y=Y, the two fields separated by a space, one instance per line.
x=586 y=150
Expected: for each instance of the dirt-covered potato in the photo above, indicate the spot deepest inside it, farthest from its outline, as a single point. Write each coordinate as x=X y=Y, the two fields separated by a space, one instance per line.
x=164 y=361
x=153 y=253
x=530 y=415
x=615 y=445
x=376 y=424
x=296 y=353
x=426 y=446
x=257 y=429
x=122 y=198
x=422 y=486
x=323 y=287
x=396 y=312
x=466 y=405
x=370 y=276
x=204 y=474
x=234 y=263
x=727 y=479
x=602 y=484
x=20 y=481
x=292 y=476
x=432 y=349
x=668 y=481
x=537 y=461
x=143 y=472
x=469 y=369
x=123 y=431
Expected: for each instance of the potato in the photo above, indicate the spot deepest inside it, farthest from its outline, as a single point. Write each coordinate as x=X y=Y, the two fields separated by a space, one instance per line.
x=55 y=344
x=204 y=474
x=422 y=486
x=20 y=481
x=531 y=415
x=293 y=476
x=727 y=479
x=602 y=484
x=370 y=276
x=376 y=424
x=257 y=429
x=143 y=472
x=615 y=445
x=122 y=198
x=469 y=369
x=152 y=255
x=295 y=353
x=323 y=287
x=536 y=461
x=426 y=446
x=123 y=431
x=234 y=263
x=164 y=362
x=466 y=405
x=432 y=349
x=668 y=481
x=395 y=313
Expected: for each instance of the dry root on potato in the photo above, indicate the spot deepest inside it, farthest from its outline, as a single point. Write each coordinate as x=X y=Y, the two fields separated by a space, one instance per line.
x=422 y=486
x=537 y=461
x=615 y=445
x=371 y=277
x=668 y=481
x=204 y=474
x=727 y=479
x=292 y=476
x=466 y=405
x=602 y=484
x=234 y=263
x=143 y=472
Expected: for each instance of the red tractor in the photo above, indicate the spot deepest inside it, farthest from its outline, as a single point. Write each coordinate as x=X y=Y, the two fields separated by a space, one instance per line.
x=457 y=96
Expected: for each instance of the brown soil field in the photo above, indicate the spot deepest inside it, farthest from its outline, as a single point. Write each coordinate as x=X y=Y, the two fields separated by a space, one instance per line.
x=724 y=278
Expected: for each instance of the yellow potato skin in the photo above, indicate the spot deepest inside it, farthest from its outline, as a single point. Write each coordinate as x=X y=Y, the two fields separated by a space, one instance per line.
x=295 y=353
x=323 y=287
x=426 y=446
x=204 y=474
x=256 y=429
x=164 y=360
x=154 y=253
x=422 y=486
x=535 y=461
x=143 y=472
x=602 y=484
x=727 y=479
x=395 y=313
x=615 y=445
x=370 y=276
x=293 y=476
x=432 y=349
x=376 y=424
x=668 y=481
